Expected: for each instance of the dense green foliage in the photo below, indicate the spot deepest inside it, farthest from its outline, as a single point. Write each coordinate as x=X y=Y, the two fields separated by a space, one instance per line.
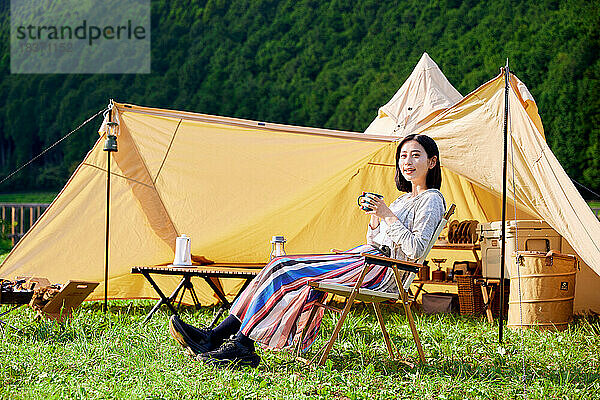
x=116 y=356
x=318 y=63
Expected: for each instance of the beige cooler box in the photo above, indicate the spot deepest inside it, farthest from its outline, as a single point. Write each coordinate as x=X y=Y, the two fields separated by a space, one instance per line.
x=521 y=235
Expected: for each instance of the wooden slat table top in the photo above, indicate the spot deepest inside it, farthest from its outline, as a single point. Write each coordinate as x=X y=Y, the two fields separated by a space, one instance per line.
x=457 y=246
x=417 y=282
x=241 y=270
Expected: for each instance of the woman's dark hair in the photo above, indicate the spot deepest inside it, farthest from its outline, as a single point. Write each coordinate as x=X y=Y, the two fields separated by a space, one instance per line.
x=434 y=175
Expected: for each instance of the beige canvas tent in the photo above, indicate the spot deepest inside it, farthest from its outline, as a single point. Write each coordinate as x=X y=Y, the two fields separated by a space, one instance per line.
x=423 y=96
x=426 y=93
x=231 y=184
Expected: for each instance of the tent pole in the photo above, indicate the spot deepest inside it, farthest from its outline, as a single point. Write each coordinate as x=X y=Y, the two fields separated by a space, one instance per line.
x=504 y=165
x=105 y=308
x=110 y=145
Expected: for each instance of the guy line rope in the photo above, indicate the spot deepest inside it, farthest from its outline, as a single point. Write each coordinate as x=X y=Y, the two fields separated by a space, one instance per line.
x=51 y=146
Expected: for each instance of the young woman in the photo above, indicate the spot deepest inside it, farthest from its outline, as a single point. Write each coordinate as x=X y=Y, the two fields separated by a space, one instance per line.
x=273 y=310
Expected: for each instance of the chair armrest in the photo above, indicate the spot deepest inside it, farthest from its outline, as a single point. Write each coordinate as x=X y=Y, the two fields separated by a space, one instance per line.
x=388 y=262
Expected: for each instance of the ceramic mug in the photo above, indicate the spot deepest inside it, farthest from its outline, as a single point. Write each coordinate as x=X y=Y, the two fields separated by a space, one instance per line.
x=367 y=194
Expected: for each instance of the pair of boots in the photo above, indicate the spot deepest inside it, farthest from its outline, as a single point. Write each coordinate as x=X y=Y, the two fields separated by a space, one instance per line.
x=210 y=345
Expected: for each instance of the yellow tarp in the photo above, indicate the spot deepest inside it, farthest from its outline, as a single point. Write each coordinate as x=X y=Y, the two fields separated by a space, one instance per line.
x=423 y=96
x=231 y=184
x=228 y=184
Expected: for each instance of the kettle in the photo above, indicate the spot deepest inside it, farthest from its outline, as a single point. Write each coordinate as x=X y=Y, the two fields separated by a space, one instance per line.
x=183 y=253
x=438 y=275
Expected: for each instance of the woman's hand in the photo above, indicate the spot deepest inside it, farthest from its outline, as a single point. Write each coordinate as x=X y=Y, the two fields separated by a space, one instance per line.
x=378 y=207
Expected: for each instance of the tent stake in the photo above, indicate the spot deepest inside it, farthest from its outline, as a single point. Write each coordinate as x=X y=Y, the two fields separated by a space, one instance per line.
x=504 y=159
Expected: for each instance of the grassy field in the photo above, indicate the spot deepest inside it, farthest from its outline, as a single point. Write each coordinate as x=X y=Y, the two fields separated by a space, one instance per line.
x=98 y=356
x=116 y=356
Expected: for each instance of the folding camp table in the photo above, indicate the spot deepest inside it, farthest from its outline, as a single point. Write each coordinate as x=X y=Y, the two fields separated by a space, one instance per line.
x=210 y=274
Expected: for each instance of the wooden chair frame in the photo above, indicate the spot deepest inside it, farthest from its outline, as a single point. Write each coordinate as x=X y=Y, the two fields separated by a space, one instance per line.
x=404 y=274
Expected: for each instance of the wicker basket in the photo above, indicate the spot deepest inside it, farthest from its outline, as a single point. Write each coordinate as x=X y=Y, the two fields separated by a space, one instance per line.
x=470 y=299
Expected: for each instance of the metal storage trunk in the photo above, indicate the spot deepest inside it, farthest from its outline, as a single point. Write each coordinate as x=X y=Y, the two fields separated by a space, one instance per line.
x=521 y=235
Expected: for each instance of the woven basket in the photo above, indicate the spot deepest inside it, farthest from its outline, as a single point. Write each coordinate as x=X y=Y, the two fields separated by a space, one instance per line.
x=470 y=299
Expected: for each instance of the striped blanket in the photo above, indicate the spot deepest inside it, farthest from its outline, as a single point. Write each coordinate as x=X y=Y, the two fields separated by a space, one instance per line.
x=275 y=307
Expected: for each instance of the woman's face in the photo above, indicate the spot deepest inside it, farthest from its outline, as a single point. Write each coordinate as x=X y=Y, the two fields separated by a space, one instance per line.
x=413 y=162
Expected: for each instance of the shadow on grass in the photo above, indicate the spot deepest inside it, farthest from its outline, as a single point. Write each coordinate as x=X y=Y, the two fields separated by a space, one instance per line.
x=89 y=321
x=139 y=308
x=361 y=345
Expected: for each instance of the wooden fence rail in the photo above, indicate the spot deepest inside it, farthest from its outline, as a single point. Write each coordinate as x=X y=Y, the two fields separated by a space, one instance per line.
x=20 y=218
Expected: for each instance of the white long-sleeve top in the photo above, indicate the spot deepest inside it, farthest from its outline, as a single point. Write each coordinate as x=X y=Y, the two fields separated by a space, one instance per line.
x=418 y=218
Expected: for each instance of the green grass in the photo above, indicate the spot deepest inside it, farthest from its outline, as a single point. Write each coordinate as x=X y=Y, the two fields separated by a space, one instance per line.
x=594 y=204
x=28 y=197
x=117 y=356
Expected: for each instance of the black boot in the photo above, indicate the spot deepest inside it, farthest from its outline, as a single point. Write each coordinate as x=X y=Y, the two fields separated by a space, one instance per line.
x=229 y=326
x=202 y=340
x=238 y=351
x=197 y=340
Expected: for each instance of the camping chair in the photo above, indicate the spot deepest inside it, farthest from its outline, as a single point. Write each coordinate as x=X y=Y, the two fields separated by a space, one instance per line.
x=403 y=280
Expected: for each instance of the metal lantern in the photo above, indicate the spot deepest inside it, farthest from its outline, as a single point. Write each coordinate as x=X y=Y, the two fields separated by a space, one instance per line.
x=112 y=129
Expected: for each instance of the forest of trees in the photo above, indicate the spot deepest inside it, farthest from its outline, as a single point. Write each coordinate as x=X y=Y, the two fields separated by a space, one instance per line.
x=321 y=63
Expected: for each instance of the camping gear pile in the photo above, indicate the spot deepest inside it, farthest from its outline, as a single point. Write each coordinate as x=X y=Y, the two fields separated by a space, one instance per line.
x=55 y=301
x=42 y=296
